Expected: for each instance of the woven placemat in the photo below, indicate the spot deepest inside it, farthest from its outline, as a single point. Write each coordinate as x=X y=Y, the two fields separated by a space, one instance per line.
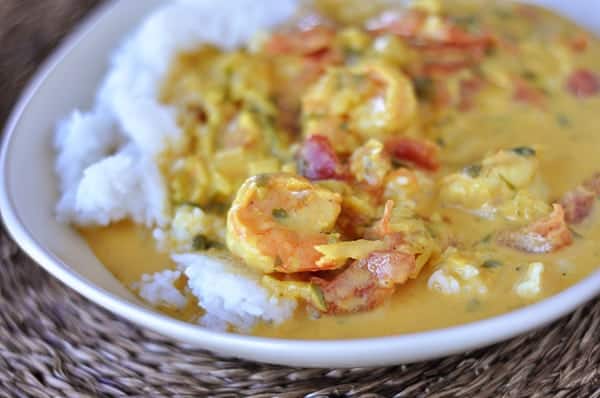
x=53 y=342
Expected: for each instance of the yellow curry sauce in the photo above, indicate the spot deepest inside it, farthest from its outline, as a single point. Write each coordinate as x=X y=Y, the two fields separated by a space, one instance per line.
x=397 y=171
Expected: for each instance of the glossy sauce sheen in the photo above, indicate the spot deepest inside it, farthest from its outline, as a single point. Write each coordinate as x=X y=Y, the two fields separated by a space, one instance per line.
x=563 y=132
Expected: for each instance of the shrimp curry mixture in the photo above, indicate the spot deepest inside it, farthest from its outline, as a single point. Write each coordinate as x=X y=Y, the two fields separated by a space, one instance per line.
x=392 y=169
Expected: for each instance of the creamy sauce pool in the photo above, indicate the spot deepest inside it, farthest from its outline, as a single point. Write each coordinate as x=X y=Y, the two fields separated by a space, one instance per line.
x=128 y=251
x=563 y=132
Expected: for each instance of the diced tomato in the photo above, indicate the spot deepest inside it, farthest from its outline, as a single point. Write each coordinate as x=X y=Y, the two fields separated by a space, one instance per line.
x=318 y=160
x=366 y=283
x=578 y=204
x=549 y=234
x=421 y=153
x=579 y=43
x=583 y=83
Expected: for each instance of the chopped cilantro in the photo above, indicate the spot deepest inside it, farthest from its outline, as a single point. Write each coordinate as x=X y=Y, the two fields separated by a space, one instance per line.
x=473 y=170
x=473 y=305
x=279 y=213
x=424 y=87
x=562 y=120
x=491 y=263
x=486 y=239
x=524 y=151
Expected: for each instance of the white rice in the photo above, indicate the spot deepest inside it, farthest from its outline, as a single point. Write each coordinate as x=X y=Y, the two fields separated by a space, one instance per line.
x=159 y=289
x=105 y=156
x=230 y=293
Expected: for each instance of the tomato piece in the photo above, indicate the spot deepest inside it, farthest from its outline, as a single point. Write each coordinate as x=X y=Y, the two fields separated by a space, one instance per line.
x=579 y=43
x=368 y=282
x=578 y=204
x=583 y=83
x=421 y=153
x=318 y=160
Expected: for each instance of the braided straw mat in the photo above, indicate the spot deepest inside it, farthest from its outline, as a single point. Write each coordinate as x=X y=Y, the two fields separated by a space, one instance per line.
x=54 y=342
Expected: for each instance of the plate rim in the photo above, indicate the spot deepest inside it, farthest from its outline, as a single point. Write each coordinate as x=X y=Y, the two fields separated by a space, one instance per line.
x=357 y=352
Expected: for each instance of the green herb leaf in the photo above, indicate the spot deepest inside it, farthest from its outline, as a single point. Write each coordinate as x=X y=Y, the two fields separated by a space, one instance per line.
x=490 y=50
x=466 y=21
x=261 y=180
x=503 y=13
x=351 y=54
x=424 y=87
x=278 y=261
x=575 y=233
x=524 y=151
x=510 y=184
x=491 y=263
x=200 y=242
x=279 y=213
x=529 y=75
x=473 y=305
x=397 y=164
x=191 y=204
x=563 y=121
x=217 y=207
x=473 y=170
x=486 y=239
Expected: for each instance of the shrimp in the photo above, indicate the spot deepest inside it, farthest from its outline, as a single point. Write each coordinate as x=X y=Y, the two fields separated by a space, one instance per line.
x=371 y=100
x=444 y=46
x=276 y=220
x=307 y=42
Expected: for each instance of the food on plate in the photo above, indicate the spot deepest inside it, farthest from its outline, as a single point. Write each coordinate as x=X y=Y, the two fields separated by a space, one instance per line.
x=331 y=170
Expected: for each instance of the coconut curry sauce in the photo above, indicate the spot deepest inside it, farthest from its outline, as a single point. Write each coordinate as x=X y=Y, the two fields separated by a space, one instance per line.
x=393 y=171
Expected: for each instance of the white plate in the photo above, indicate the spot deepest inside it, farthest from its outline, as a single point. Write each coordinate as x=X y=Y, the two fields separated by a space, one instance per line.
x=29 y=191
